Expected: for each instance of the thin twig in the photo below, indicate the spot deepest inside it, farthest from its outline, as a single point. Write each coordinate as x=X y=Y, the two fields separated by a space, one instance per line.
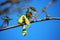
x=18 y=25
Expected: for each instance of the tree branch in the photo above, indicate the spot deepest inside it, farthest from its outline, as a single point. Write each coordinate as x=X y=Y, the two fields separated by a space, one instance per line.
x=18 y=25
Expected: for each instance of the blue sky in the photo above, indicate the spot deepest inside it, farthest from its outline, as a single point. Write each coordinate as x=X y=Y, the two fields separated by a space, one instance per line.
x=46 y=30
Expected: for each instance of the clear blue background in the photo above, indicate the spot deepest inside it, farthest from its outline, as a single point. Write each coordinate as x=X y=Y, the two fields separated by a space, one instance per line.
x=46 y=30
